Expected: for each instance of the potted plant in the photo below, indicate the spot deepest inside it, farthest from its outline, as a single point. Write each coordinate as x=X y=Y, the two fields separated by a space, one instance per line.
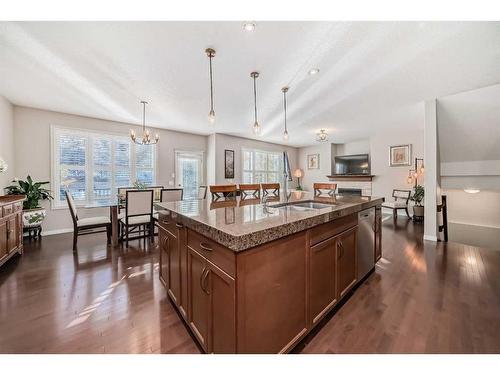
x=418 y=197
x=33 y=213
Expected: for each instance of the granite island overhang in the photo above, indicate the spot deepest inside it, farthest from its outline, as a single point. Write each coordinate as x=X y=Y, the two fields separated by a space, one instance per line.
x=249 y=277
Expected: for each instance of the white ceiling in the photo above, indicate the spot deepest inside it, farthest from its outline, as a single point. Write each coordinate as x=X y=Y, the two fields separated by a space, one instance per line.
x=374 y=75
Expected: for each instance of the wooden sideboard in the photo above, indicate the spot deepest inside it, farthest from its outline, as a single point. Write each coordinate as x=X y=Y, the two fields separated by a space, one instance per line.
x=11 y=226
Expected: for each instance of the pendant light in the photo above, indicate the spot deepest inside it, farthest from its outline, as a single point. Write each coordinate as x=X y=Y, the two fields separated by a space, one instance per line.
x=256 y=126
x=211 y=115
x=146 y=136
x=285 y=133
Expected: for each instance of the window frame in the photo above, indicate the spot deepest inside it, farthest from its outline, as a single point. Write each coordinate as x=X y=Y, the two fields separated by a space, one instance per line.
x=90 y=134
x=254 y=171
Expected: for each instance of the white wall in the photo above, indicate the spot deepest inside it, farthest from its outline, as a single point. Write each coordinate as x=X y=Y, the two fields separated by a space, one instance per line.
x=7 y=142
x=228 y=142
x=32 y=151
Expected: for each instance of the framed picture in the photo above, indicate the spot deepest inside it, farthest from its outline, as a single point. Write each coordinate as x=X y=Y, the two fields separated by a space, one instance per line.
x=313 y=161
x=400 y=155
x=228 y=163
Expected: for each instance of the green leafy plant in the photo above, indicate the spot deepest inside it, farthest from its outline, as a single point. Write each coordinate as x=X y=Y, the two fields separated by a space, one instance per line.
x=33 y=190
x=418 y=195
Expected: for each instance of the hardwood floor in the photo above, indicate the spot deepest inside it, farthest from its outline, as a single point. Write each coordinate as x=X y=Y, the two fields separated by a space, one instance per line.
x=422 y=298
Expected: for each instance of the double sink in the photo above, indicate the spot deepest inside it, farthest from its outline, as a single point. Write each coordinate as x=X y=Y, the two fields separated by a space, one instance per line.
x=310 y=204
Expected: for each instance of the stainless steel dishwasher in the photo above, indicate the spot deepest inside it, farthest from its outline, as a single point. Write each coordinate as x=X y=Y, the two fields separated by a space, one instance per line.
x=366 y=242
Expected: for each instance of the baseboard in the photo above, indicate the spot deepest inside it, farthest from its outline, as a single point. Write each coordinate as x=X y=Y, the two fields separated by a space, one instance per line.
x=430 y=238
x=57 y=231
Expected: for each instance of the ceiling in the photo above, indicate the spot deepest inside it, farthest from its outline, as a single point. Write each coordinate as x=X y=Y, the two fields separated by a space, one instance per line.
x=373 y=75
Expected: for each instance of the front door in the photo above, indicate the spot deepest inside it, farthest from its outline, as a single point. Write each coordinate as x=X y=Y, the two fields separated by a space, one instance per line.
x=189 y=172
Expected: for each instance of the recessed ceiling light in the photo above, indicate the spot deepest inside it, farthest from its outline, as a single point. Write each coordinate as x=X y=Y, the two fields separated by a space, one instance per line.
x=472 y=190
x=249 y=26
x=313 y=71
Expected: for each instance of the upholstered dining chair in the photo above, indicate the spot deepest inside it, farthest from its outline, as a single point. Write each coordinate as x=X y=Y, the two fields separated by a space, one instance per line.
x=202 y=192
x=171 y=195
x=138 y=215
x=86 y=225
x=223 y=191
x=249 y=190
x=270 y=189
x=321 y=188
x=401 y=198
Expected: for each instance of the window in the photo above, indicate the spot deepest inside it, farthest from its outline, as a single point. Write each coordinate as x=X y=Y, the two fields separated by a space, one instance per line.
x=188 y=172
x=93 y=165
x=261 y=166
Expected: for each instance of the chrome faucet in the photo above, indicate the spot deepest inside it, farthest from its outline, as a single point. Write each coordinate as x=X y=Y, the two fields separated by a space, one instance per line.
x=286 y=174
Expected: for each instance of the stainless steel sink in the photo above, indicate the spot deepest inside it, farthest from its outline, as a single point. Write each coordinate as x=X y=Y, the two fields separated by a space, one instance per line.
x=304 y=204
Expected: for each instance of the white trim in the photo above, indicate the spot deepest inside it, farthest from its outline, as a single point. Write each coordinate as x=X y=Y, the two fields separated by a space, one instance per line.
x=57 y=231
x=428 y=237
x=475 y=225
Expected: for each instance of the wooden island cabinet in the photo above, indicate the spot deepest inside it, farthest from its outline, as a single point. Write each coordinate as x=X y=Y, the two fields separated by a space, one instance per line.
x=261 y=300
x=11 y=226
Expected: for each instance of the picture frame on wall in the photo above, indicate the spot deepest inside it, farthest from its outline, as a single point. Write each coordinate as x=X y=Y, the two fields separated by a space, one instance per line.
x=313 y=161
x=228 y=164
x=400 y=155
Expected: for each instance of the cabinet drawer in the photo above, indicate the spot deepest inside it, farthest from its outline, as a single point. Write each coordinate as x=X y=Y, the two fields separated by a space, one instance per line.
x=8 y=209
x=217 y=254
x=167 y=220
x=18 y=207
x=327 y=230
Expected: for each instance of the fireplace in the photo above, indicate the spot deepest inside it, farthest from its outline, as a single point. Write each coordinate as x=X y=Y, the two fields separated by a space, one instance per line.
x=349 y=191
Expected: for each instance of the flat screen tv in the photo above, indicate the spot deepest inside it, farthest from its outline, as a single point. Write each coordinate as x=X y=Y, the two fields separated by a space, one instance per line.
x=352 y=164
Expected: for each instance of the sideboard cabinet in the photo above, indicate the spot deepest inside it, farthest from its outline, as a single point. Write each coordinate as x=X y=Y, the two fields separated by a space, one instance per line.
x=11 y=226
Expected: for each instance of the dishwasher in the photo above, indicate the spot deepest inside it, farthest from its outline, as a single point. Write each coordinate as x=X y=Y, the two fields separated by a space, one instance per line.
x=366 y=242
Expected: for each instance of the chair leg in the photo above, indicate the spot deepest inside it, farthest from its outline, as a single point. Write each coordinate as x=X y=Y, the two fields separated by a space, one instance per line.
x=151 y=231
x=108 y=233
x=407 y=214
x=394 y=214
x=126 y=235
x=75 y=237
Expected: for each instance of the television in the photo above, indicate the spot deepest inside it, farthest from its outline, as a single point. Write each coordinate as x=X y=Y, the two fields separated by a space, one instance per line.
x=352 y=165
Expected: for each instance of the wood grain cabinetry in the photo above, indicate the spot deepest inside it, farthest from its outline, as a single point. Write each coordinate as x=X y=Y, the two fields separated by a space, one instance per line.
x=264 y=299
x=11 y=227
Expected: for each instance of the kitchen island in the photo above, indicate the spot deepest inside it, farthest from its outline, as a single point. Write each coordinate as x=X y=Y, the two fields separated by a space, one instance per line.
x=249 y=277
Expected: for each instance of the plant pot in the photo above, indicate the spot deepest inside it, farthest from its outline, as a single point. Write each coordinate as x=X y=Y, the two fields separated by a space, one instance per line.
x=418 y=211
x=33 y=217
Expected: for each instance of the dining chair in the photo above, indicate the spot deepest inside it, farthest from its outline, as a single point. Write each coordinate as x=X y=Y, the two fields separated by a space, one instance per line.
x=270 y=189
x=202 y=192
x=86 y=225
x=223 y=191
x=171 y=195
x=249 y=190
x=138 y=215
x=401 y=198
x=321 y=188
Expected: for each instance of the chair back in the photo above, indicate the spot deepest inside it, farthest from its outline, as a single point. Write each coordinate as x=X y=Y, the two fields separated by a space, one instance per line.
x=252 y=190
x=202 y=192
x=403 y=195
x=324 y=188
x=72 y=207
x=223 y=191
x=273 y=189
x=171 y=195
x=139 y=202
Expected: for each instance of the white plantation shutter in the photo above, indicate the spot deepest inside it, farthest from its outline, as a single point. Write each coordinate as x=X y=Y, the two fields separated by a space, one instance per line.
x=261 y=166
x=93 y=165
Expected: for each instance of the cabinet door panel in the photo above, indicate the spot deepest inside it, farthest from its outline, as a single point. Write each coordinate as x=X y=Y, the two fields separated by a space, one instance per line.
x=12 y=235
x=222 y=312
x=163 y=240
x=378 y=234
x=199 y=299
x=346 y=260
x=174 y=287
x=183 y=308
x=3 y=238
x=323 y=293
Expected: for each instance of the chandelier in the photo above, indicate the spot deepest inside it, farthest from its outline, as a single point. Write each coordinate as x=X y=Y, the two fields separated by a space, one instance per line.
x=146 y=135
x=322 y=136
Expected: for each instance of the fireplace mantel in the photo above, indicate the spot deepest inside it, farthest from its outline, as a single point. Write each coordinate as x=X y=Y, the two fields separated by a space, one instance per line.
x=351 y=177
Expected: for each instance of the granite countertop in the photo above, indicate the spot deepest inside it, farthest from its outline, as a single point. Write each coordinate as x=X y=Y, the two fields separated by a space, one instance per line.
x=240 y=224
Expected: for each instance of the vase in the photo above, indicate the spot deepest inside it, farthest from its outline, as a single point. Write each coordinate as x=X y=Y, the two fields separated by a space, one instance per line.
x=33 y=217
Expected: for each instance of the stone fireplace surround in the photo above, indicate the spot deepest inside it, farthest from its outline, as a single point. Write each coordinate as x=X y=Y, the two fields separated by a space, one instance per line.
x=362 y=182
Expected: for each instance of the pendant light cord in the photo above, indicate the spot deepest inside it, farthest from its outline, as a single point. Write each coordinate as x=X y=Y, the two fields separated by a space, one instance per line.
x=255 y=97
x=143 y=117
x=284 y=106
x=211 y=86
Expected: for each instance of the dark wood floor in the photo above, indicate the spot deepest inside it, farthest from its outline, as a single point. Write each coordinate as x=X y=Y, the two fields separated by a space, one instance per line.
x=422 y=298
